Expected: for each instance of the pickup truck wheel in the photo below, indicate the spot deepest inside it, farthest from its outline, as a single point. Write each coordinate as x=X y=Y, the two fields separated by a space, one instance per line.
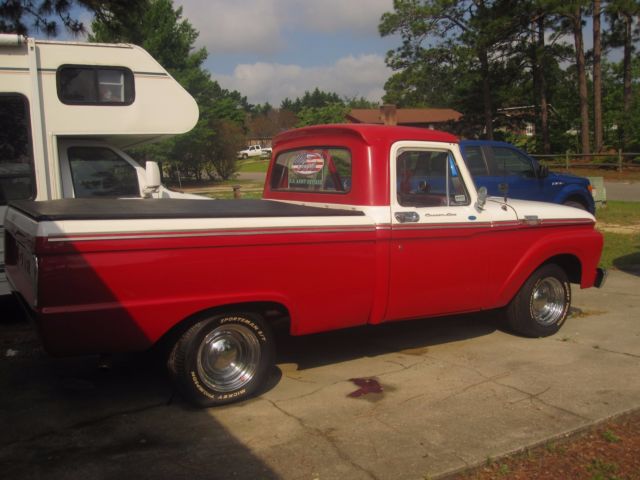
x=540 y=307
x=245 y=156
x=223 y=359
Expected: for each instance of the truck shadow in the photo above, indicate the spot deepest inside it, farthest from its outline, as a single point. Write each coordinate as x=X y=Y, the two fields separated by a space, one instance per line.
x=67 y=418
x=409 y=336
x=629 y=263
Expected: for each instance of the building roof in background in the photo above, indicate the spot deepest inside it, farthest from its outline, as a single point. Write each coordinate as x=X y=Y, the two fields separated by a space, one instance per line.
x=405 y=115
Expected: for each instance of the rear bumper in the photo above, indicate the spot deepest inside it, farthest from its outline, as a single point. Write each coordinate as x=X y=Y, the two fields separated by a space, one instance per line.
x=601 y=277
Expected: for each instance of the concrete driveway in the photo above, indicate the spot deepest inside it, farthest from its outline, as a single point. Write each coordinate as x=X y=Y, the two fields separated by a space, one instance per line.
x=455 y=391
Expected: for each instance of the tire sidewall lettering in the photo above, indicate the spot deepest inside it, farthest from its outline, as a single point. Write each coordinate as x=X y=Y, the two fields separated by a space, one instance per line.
x=247 y=323
x=214 y=396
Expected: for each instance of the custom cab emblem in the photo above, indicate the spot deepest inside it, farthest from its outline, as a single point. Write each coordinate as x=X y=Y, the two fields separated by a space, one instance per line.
x=307 y=163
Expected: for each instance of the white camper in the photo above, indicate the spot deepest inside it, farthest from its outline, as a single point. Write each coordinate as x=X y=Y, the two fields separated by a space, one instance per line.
x=67 y=112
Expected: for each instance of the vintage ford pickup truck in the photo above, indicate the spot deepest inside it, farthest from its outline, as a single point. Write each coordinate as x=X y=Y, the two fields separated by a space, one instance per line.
x=358 y=224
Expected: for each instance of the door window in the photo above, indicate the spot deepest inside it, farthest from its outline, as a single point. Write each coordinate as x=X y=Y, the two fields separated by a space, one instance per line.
x=475 y=161
x=510 y=162
x=100 y=172
x=16 y=158
x=429 y=178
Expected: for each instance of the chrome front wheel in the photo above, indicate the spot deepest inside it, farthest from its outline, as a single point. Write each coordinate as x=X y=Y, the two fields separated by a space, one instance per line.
x=548 y=301
x=541 y=306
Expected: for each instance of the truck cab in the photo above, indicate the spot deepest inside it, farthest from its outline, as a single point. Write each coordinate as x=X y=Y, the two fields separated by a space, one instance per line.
x=505 y=170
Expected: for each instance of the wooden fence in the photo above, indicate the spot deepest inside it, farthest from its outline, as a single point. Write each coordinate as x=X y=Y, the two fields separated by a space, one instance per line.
x=619 y=160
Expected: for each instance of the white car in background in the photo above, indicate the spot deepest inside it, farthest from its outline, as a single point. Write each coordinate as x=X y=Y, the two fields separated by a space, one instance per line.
x=255 y=151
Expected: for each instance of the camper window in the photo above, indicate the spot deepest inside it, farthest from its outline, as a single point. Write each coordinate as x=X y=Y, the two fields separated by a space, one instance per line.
x=86 y=85
x=16 y=159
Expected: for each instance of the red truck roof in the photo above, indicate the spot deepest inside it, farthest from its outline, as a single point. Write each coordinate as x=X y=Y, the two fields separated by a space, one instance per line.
x=367 y=132
x=369 y=145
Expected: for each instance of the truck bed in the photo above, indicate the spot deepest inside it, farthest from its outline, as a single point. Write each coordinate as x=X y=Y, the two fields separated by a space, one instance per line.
x=135 y=209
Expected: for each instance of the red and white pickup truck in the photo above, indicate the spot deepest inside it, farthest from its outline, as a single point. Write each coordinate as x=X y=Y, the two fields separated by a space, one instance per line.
x=358 y=225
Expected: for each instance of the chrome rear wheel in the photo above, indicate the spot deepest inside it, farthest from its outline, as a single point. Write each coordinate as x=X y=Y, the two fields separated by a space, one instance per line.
x=222 y=359
x=228 y=358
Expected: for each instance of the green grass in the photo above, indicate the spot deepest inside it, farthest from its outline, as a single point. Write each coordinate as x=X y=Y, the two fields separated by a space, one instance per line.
x=228 y=195
x=621 y=250
x=619 y=213
x=253 y=165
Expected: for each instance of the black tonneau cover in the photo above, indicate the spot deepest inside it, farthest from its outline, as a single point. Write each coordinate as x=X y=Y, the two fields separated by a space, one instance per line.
x=137 y=209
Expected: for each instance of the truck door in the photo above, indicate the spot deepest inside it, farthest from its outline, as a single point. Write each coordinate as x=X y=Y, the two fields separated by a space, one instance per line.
x=439 y=242
x=518 y=172
x=95 y=170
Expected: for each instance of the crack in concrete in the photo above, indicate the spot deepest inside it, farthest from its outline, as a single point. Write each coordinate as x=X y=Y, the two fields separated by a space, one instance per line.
x=313 y=392
x=598 y=347
x=473 y=385
x=532 y=397
x=394 y=362
x=529 y=395
x=317 y=432
x=87 y=423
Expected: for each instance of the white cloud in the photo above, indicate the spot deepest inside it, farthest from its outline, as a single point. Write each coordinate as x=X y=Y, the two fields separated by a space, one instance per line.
x=259 y=26
x=360 y=17
x=361 y=76
x=235 y=27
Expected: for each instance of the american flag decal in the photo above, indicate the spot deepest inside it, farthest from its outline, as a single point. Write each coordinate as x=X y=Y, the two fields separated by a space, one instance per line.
x=307 y=163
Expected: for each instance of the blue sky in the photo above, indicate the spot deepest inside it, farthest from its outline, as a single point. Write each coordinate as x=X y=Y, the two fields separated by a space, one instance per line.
x=272 y=49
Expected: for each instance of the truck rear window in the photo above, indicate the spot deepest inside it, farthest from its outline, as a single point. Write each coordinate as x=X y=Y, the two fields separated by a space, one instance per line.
x=317 y=170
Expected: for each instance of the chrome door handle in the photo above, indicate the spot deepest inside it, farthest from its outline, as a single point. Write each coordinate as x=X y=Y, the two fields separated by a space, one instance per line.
x=404 y=217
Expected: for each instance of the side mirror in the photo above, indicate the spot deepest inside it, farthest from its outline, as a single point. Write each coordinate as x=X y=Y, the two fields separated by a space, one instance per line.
x=482 y=198
x=152 y=178
x=543 y=171
x=152 y=175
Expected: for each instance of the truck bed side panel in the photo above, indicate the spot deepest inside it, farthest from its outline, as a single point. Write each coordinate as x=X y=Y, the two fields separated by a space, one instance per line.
x=106 y=295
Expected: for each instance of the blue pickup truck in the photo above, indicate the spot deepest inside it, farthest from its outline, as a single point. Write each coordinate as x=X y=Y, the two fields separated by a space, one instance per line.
x=500 y=166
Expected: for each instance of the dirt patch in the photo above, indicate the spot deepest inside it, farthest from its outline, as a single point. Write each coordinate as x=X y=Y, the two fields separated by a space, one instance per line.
x=625 y=229
x=608 y=451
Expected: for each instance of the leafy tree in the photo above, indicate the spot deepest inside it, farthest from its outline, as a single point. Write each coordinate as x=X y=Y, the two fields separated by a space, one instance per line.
x=315 y=99
x=444 y=34
x=354 y=102
x=271 y=123
x=160 y=29
x=331 y=113
x=23 y=16
x=597 y=76
x=572 y=12
x=620 y=14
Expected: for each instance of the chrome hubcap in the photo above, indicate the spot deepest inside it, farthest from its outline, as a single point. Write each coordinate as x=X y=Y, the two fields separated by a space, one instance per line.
x=548 y=301
x=228 y=358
